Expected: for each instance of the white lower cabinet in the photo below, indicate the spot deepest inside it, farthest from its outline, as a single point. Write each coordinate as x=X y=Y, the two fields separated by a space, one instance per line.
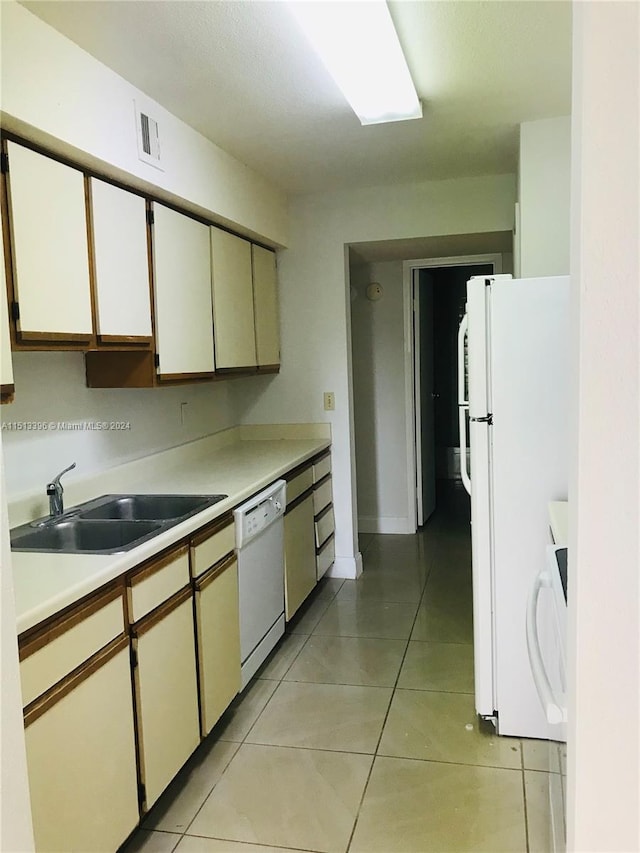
x=82 y=762
x=218 y=632
x=299 y=554
x=166 y=692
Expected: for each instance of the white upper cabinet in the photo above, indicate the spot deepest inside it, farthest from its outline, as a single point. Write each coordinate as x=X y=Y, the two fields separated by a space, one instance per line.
x=265 y=301
x=232 y=284
x=182 y=285
x=123 y=301
x=6 y=367
x=50 y=249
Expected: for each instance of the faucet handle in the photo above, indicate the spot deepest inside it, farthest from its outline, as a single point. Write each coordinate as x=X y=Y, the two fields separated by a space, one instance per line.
x=57 y=479
x=55 y=484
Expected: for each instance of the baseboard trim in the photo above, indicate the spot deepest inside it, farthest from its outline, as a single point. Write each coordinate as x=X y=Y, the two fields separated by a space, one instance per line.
x=385 y=524
x=346 y=567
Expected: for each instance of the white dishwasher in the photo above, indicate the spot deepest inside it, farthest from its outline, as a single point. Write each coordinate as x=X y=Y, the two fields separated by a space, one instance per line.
x=260 y=542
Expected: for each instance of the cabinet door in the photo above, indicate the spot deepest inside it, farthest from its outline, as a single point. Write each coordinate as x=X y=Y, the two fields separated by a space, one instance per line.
x=182 y=284
x=265 y=301
x=299 y=555
x=82 y=764
x=167 y=695
x=218 y=641
x=50 y=248
x=123 y=301
x=234 y=326
x=6 y=367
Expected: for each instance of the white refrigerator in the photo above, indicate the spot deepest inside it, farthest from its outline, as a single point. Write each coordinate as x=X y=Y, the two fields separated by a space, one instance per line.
x=513 y=377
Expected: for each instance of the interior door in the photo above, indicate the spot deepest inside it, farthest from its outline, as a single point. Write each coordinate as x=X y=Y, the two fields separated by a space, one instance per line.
x=424 y=394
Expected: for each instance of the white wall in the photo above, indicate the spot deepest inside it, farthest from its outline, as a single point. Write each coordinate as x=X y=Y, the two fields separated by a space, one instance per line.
x=315 y=326
x=58 y=94
x=50 y=387
x=543 y=193
x=604 y=564
x=377 y=340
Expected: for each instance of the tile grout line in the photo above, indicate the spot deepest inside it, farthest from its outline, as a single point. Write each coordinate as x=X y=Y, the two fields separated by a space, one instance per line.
x=384 y=722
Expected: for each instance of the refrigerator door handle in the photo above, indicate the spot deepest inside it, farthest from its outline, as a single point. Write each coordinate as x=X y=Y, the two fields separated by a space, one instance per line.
x=463 y=404
x=462 y=334
x=463 y=411
x=553 y=711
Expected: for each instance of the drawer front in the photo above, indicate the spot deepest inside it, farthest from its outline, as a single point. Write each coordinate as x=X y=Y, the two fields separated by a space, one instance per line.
x=321 y=469
x=326 y=557
x=299 y=484
x=46 y=666
x=325 y=526
x=149 y=590
x=322 y=497
x=207 y=553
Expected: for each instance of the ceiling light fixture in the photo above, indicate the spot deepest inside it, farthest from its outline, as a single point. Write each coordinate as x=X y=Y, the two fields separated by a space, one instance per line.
x=358 y=44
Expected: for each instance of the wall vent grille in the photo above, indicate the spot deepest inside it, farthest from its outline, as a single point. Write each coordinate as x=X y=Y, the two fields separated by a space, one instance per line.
x=148 y=135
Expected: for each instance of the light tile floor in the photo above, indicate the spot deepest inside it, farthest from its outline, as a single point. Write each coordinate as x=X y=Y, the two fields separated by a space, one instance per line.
x=359 y=733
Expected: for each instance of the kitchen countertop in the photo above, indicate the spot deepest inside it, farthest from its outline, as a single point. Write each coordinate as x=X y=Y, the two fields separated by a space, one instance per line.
x=559 y=522
x=239 y=467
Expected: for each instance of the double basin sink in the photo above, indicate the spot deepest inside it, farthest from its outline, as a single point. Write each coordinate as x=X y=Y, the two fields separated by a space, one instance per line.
x=109 y=524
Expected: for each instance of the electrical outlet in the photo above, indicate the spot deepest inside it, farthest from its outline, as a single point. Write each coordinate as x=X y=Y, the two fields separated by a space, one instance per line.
x=329 y=401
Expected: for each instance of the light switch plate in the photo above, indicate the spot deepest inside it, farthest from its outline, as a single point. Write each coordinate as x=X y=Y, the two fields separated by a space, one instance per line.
x=329 y=401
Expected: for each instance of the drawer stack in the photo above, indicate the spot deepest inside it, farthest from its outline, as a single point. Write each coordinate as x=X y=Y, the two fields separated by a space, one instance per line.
x=323 y=514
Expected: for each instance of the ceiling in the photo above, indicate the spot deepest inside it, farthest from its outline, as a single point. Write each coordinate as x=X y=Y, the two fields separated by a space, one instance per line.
x=243 y=75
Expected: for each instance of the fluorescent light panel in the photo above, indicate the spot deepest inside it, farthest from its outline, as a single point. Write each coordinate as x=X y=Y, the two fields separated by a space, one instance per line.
x=359 y=46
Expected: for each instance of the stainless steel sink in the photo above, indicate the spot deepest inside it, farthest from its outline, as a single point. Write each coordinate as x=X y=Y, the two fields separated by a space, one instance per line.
x=109 y=524
x=152 y=507
x=77 y=535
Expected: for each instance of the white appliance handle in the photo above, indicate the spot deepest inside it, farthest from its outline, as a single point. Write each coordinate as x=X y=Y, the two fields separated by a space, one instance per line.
x=463 y=405
x=462 y=421
x=462 y=334
x=555 y=713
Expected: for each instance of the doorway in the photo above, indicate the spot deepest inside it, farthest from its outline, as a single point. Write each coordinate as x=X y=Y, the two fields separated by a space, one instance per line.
x=437 y=298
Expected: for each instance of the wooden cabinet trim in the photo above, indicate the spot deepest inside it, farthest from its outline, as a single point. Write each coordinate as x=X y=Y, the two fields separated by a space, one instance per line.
x=319 y=483
x=249 y=370
x=321 y=547
x=299 y=469
x=308 y=493
x=181 y=377
x=59 y=690
x=324 y=511
x=322 y=455
x=93 y=288
x=5 y=212
x=154 y=564
x=132 y=340
x=215 y=571
x=49 y=629
x=7 y=392
x=54 y=337
x=211 y=528
x=158 y=614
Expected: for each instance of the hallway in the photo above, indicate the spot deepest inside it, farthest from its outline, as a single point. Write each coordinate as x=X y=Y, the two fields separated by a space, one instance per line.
x=359 y=733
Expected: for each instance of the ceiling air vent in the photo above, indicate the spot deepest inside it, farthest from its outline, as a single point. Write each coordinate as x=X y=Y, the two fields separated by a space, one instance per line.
x=148 y=138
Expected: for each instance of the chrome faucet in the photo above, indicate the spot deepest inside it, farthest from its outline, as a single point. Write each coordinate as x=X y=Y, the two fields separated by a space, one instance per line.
x=55 y=490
